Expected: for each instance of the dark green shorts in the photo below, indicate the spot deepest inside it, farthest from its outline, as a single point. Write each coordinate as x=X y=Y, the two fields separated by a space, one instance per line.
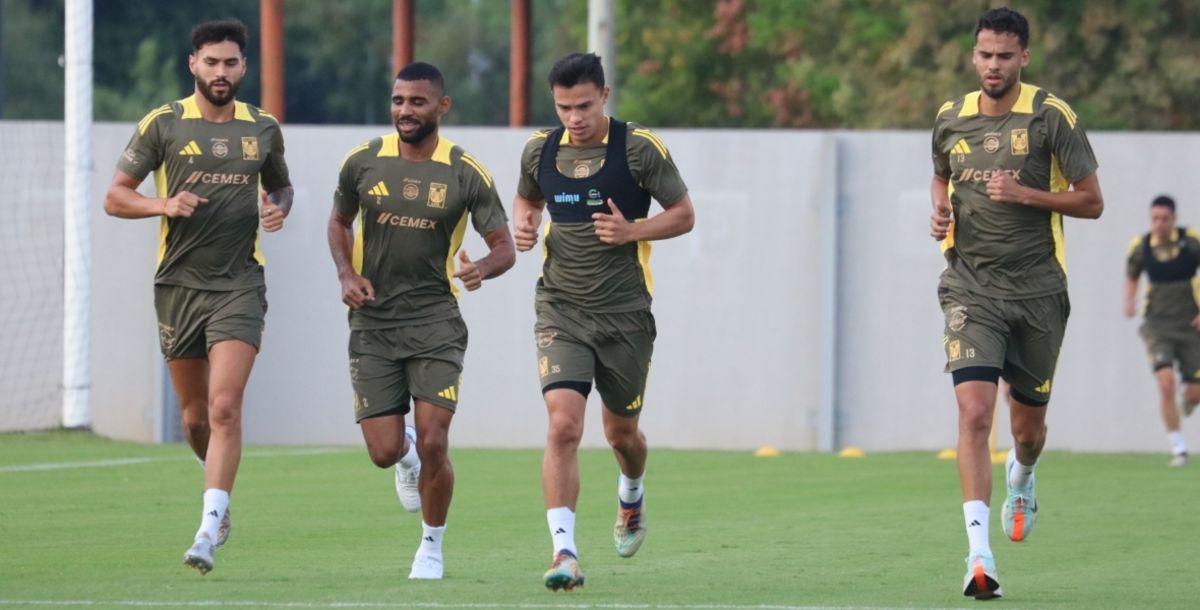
x=1167 y=344
x=390 y=366
x=614 y=349
x=191 y=321
x=1021 y=337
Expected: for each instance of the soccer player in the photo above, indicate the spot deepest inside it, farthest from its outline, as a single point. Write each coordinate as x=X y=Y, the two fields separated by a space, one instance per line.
x=1169 y=256
x=209 y=153
x=1004 y=160
x=596 y=175
x=411 y=192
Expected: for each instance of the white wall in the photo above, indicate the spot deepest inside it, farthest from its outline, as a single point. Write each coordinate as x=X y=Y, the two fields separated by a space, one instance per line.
x=738 y=362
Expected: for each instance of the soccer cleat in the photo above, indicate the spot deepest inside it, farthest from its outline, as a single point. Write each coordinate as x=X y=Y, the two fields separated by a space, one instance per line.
x=426 y=567
x=1178 y=460
x=981 y=581
x=200 y=556
x=223 y=531
x=564 y=573
x=1020 y=509
x=1186 y=407
x=630 y=529
x=408 y=479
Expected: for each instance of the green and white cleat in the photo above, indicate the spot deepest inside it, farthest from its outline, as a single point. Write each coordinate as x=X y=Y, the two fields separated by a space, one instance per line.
x=564 y=573
x=981 y=581
x=408 y=479
x=200 y=556
x=1020 y=510
x=630 y=529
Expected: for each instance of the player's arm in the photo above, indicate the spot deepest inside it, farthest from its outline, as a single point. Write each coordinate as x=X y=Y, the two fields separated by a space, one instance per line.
x=275 y=207
x=1133 y=271
x=123 y=201
x=1083 y=201
x=676 y=219
x=940 y=218
x=356 y=289
x=500 y=258
x=527 y=217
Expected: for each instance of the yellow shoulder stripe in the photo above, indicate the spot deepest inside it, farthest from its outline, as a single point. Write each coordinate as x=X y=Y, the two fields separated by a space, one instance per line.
x=148 y=120
x=1062 y=107
x=1192 y=233
x=970 y=105
x=469 y=160
x=539 y=135
x=948 y=105
x=353 y=151
x=262 y=112
x=654 y=139
x=1136 y=243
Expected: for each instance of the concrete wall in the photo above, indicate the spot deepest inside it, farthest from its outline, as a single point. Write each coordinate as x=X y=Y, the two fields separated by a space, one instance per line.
x=806 y=244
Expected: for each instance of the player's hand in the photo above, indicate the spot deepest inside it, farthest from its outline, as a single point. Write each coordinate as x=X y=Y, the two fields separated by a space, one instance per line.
x=1131 y=310
x=183 y=204
x=272 y=215
x=525 y=233
x=1004 y=188
x=612 y=228
x=471 y=278
x=356 y=290
x=939 y=222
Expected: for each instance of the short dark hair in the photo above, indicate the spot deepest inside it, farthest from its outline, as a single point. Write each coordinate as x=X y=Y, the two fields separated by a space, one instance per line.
x=577 y=68
x=419 y=70
x=1163 y=201
x=211 y=32
x=1005 y=20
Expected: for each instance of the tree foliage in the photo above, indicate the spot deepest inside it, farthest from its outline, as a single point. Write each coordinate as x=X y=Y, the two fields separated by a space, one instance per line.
x=1122 y=64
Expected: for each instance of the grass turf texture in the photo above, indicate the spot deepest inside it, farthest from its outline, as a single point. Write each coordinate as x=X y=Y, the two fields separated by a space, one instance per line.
x=727 y=530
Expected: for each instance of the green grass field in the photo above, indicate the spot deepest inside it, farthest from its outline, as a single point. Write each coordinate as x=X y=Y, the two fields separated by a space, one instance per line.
x=102 y=524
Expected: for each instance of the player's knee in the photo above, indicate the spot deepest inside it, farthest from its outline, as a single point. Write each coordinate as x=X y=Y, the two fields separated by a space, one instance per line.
x=564 y=432
x=1028 y=436
x=974 y=417
x=383 y=456
x=624 y=441
x=432 y=446
x=225 y=410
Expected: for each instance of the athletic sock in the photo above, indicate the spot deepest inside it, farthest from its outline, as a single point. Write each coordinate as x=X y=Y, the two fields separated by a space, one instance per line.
x=975 y=514
x=562 y=529
x=216 y=502
x=431 y=540
x=629 y=490
x=410 y=458
x=1018 y=477
x=1178 y=446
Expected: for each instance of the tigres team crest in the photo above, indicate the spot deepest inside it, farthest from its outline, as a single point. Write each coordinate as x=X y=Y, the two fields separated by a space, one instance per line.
x=250 y=149
x=954 y=350
x=437 y=195
x=1020 y=141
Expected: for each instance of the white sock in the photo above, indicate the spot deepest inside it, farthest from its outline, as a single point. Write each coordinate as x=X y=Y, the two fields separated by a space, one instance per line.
x=1019 y=475
x=410 y=458
x=431 y=540
x=1178 y=447
x=629 y=490
x=216 y=502
x=562 y=529
x=975 y=514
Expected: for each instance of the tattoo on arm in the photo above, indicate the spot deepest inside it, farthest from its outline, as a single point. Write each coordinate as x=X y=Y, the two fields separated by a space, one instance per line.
x=283 y=198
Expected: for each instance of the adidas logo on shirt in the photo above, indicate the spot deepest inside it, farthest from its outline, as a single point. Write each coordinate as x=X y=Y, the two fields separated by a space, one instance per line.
x=191 y=150
x=379 y=190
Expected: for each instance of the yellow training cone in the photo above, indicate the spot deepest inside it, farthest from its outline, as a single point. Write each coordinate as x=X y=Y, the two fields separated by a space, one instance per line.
x=851 y=452
x=948 y=454
x=999 y=457
x=767 y=451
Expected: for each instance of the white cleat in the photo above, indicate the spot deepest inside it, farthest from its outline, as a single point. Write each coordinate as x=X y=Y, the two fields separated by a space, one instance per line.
x=200 y=556
x=408 y=479
x=426 y=567
x=223 y=531
x=1178 y=460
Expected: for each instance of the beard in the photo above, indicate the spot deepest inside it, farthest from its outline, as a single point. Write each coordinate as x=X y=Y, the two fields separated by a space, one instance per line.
x=422 y=132
x=214 y=98
x=998 y=91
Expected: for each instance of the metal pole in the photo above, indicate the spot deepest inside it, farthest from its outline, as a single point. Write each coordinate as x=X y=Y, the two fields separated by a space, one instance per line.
x=518 y=69
x=271 y=12
x=602 y=25
x=403 y=25
x=77 y=245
